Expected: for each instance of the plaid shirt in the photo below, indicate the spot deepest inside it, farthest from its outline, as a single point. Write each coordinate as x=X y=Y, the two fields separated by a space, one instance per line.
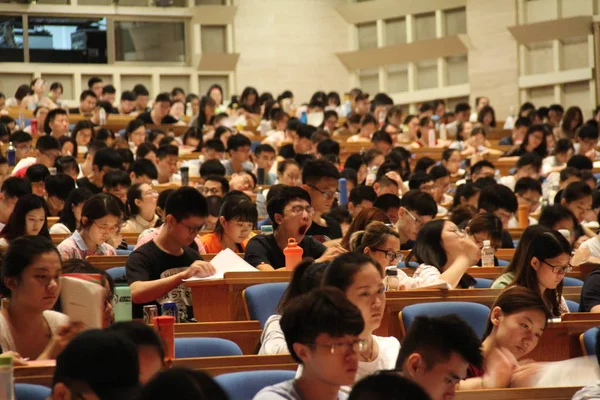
x=74 y=247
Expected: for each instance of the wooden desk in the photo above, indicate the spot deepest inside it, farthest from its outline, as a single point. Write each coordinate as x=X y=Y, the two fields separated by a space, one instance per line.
x=212 y=365
x=52 y=221
x=560 y=341
x=130 y=238
x=106 y=262
x=550 y=393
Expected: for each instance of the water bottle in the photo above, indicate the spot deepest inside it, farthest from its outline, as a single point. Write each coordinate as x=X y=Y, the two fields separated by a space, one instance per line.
x=431 y=138
x=382 y=117
x=391 y=281
x=303 y=117
x=266 y=230
x=261 y=206
x=102 y=114
x=347 y=107
x=497 y=176
x=11 y=155
x=6 y=378
x=293 y=254
x=188 y=109
x=123 y=307
x=371 y=176
x=443 y=132
x=487 y=254
x=260 y=176
x=343 y=189
x=21 y=121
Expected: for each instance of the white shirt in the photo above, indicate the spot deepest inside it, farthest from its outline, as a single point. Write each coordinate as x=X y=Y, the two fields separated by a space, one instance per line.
x=272 y=339
x=513 y=223
x=593 y=245
x=59 y=227
x=175 y=178
x=54 y=320
x=508 y=181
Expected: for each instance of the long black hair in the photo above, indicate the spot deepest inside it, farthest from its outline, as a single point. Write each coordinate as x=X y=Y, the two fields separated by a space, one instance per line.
x=76 y=197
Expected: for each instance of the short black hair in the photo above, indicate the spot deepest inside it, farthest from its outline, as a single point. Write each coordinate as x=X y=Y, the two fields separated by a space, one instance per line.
x=140 y=334
x=168 y=150
x=527 y=159
x=114 y=179
x=109 y=89
x=93 y=80
x=140 y=90
x=20 y=137
x=64 y=164
x=381 y=136
x=127 y=95
x=264 y=148
x=285 y=194
x=126 y=155
x=461 y=107
x=386 y=385
x=563 y=146
x=212 y=167
x=319 y=169
x=580 y=162
x=361 y=193
x=143 y=149
x=525 y=184
x=569 y=172
x=107 y=157
x=45 y=143
x=418 y=178
x=588 y=131
x=523 y=121
x=496 y=197
x=236 y=141
x=186 y=202
x=439 y=171
x=478 y=166
x=340 y=214
x=329 y=312
x=216 y=145
x=87 y=93
x=387 y=201
x=435 y=339
x=176 y=91
x=420 y=202
x=350 y=176
x=143 y=167
x=221 y=179
x=304 y=131
x=15 y=187
x=59 y=185
x=423 y=164
x=37 y=173
x=162 y=98
x=551 y=215
x=328 y=146
x=575 y=191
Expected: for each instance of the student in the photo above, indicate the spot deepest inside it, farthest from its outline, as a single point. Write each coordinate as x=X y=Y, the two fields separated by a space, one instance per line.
x=28 y=218
x=441 y=184
x=361 y=198
x=482 y=169
x=141 y=98
x=35 y=175
x=288 y=173
x=135 y=132
x=516 y=323
x=150 y=350
x=31 y=270
x=97 y=364
x=451 y=159
x=87 y=166
x=56 y=124
x=328 y=147
x=205 y=120
x=105 y=160
x=156 y=270
x=378 y=241
x=265 y=158
x=416 y=209
x=160 y=112
x=83 y=133
x=528 y=192
x=528 y=166
x=117 y=183
x=167 y=165
x=535 y=141
x=47 y=148
x=126 y=103
x=382 y=142
x=182 y=383
x=390 y=204
x=571 y=122
x=361 y=280
x=22 y=143
x=12 y=189
x=238 y=147
x=302 y=143
x=215 y=185
x=436 y=353
x=485 y=226
x=444 y=253
x=87 y=103
x=327 y=349
x=142 y=171
x=290 y=212
x=577 y=197
x=306 y=277
x=587 y=138
x=100 y=219
x=541 y=267
x=237 y=218
x=518 y=133
x=387 y=385
x=141 y=207
x=320 y=180
x=70 y=216
x=213 y=149
x=466 y=194
x=501 y=201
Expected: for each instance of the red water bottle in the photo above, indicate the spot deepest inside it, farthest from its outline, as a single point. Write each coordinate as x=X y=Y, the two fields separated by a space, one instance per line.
x=293 y=254
x=34 y=127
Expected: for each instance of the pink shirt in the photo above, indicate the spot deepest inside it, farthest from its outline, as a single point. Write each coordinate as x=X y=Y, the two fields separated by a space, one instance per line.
x=74 y=247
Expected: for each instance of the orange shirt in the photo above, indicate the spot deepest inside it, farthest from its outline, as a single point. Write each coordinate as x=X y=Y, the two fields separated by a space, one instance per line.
x=213 y=245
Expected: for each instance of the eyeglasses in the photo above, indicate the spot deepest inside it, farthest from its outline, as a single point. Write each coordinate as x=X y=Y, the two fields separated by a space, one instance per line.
x=111 y=299
x=418 y=221
x=532 y=203
x=389 y=254
x=24 y=148
x=109 y=229
x=559 y=270
x=51 y=156
x=211 y=191
x=344 y=347
x=327 y=195
x=298 y=210
x=193 y=230
x=151 y=193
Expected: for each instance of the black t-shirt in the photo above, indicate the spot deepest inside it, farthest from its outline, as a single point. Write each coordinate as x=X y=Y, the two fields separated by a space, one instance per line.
x=333 y=230
x=287 y=151
x=590 y=293
x=507 y=240
x=147 y=118
x=74 y=110
x=263 y=248
x=149 y=263
x=108 y=107
x=86 y=183
x=408 y=245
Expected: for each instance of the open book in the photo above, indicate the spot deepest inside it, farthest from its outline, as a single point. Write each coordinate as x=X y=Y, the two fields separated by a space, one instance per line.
x=226 y=261
x=82 y=300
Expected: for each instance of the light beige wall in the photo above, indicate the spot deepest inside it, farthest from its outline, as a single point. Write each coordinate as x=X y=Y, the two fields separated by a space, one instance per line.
x=290 y=44
x=493 y=55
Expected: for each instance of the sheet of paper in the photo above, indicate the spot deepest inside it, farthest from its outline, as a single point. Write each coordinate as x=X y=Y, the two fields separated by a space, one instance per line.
x=82 y=301
x=315 y=118
x=581 y=371
x=226 y=261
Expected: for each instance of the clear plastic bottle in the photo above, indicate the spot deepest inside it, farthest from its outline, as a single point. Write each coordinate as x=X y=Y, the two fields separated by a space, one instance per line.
x=6 y=378
x=261 y=206
x=391 y=281
x=102 y=115
x=371 y=176
x=487 y=254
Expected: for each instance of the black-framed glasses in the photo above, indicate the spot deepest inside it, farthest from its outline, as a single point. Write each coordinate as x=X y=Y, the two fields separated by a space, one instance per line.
x=389 y=254
x=327 y=195
x=343 y=347
x=559 y=270
x=192 y=229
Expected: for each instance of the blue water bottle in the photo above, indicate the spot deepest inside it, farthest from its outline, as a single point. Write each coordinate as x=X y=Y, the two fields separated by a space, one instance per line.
x=343 y=188
x=11 y=155
x=303 y=117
